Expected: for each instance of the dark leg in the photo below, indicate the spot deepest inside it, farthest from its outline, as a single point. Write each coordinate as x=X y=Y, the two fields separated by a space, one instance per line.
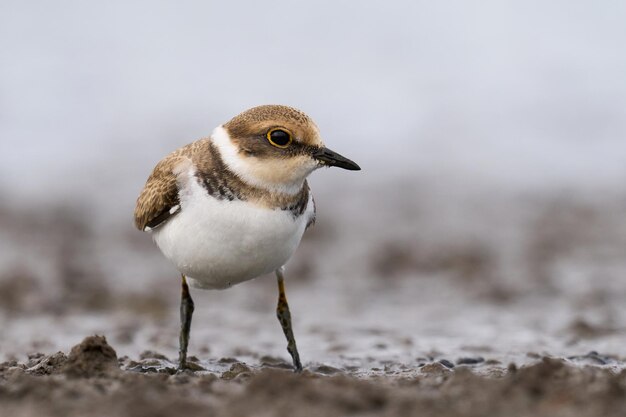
x=186 y=311
x=284 y=317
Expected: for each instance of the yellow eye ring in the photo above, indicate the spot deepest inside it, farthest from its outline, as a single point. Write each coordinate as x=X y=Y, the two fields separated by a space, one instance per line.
x=279 y=137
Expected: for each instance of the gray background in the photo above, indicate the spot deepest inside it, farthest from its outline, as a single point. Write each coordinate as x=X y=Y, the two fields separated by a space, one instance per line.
x=521 y=92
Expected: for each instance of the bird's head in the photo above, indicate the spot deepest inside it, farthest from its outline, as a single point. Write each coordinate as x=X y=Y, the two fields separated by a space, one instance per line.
x=275 y=147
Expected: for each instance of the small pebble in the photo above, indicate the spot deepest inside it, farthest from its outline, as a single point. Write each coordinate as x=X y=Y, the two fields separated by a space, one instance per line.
x=327 y=370
x=446 y=363
x=470 y=361
x=227 y=360
x=435 y=369
x=235 y=370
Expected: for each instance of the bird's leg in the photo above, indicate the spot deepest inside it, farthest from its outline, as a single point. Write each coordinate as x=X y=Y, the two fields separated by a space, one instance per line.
x=186 y=311
x=284 y=317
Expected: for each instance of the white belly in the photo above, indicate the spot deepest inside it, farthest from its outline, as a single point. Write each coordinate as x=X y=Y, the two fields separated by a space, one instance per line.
x=219 y=243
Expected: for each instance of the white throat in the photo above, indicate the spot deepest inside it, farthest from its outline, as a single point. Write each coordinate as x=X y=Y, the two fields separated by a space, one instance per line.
x=244 y=168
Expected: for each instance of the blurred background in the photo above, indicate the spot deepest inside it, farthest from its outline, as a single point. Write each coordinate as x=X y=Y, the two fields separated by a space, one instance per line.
x=489 y=218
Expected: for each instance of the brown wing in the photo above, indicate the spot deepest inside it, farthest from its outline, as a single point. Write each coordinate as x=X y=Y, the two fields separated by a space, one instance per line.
x=158 y=200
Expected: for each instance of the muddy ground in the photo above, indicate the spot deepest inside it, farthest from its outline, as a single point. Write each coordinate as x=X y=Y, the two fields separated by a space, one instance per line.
x=431 y=301
x=93 y=381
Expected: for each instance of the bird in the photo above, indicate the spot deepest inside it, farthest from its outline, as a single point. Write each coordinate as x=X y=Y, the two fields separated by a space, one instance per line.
x=233 y=206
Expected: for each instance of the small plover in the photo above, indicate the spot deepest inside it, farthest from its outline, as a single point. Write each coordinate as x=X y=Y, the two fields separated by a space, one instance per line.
x=234 y=206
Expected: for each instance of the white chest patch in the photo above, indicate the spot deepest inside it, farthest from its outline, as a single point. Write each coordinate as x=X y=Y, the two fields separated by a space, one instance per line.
x=220 y=243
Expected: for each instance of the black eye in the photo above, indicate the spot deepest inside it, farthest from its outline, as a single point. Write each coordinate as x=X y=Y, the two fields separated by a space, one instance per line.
x=279 y=137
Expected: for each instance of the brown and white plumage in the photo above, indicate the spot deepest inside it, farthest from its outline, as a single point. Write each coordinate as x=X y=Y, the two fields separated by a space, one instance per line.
x=158 y=200
x=160 y=194
x=231 y=207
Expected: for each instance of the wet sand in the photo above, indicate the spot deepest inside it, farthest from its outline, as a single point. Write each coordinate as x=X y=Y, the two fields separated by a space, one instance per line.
x=92 y=381
x=442 y=303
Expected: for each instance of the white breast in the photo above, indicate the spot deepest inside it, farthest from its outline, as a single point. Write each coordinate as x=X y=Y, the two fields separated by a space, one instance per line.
x=219 y=243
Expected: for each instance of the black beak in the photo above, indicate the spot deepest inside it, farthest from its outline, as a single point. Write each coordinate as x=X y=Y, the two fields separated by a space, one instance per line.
x=333 y=159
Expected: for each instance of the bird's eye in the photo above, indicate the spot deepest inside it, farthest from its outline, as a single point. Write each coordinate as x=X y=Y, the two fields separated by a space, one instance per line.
x=279 y=137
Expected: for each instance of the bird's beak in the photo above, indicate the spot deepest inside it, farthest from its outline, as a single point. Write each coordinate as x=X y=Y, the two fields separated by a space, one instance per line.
x=332 y=159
